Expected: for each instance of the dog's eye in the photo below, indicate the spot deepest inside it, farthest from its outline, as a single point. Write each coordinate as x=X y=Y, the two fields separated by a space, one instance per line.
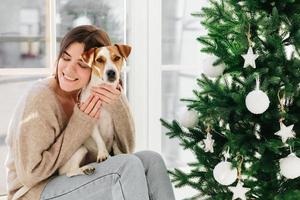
x=117 y=58
x=100 y=60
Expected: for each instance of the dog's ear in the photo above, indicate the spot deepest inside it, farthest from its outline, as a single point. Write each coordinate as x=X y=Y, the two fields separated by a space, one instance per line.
x=124 y=50
x=89 y=56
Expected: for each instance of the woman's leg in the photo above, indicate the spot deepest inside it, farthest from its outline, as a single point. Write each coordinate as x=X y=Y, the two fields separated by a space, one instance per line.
x=120 y=177
x=159 y=184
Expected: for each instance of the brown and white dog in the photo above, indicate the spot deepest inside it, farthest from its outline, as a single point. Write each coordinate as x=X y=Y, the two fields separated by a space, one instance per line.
x=106 y=63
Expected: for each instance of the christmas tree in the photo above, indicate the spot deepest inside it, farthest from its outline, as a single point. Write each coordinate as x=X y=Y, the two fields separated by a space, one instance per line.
x=243 y=125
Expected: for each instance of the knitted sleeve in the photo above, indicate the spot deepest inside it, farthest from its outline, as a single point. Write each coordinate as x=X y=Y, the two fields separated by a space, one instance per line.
x=41 y=147
x=123 y=125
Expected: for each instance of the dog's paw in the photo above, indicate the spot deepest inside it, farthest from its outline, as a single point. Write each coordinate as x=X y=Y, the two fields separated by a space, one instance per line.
x=102 y=155
x=88 y=170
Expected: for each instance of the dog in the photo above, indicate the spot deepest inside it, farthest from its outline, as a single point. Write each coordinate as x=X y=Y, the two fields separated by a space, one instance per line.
x=106 y=63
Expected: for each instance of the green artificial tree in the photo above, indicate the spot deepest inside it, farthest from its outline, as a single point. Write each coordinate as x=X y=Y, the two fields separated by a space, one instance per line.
x=246 y=133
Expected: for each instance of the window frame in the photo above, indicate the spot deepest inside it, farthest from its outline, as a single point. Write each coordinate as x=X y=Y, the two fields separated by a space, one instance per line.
x=145 y=20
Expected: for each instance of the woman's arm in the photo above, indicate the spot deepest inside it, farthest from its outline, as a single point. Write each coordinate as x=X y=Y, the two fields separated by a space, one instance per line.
x=123 y=124
x=116 y=102
x=41 y=147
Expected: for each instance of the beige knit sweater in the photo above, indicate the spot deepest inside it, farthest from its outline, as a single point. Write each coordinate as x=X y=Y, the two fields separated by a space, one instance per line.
x=41 y=138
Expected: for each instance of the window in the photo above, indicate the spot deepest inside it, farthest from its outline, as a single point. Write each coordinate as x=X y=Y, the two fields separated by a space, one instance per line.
x=109 y=15
x=181 y=65
x=22 y=34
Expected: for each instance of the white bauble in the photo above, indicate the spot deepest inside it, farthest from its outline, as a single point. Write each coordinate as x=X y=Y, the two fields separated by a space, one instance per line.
x=257 y=101
x=290 y=166
x=189 y=118
x=209 y=69
x=224 y=173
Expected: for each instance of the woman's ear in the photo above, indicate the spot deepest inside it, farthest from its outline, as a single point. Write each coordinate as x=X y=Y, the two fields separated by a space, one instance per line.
x=124 y=49
x=89 y=56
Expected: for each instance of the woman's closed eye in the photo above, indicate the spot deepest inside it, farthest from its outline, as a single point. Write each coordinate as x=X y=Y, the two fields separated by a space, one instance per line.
x=83 y=65
x=65 y=57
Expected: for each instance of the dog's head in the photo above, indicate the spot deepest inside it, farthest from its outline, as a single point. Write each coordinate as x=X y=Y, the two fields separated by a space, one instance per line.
x=107 y=62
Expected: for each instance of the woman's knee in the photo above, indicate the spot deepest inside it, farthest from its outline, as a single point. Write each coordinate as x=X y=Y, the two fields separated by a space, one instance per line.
x=131 y=162
x=150 y=157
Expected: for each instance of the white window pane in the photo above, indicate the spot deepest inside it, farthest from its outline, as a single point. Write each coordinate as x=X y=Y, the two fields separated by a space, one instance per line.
x=176 y=85
x=180 y=31
x=106 y=14
x=22 y=34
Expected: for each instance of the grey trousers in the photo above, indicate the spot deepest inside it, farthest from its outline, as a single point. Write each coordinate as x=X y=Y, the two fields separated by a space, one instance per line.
x=139 y=176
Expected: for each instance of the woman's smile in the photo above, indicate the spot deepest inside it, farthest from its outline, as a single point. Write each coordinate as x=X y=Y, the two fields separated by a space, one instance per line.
x=69 y=78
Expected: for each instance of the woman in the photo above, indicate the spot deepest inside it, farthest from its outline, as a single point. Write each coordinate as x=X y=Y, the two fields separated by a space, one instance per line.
x=49 y=126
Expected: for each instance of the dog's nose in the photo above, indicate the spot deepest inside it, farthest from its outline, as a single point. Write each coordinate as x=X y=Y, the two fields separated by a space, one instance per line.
x=111 y=74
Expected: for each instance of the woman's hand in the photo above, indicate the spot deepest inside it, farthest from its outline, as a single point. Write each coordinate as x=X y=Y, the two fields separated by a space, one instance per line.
x=91 y=106
x=107 y=93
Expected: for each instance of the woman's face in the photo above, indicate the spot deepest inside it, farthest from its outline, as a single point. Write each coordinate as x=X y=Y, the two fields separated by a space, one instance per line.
x=73 y=74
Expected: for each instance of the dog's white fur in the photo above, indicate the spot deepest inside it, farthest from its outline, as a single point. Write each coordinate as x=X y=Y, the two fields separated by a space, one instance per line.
x=102 y=140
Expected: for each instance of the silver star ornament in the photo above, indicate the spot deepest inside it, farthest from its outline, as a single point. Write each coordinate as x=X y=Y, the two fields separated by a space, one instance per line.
x=285 y=132
x=250 y=58
x=239 y=191
x=209 y=143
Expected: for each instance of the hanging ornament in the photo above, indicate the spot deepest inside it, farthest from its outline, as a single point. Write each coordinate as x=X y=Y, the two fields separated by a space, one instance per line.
x=224 y=172
x=257 y=101
x=226 y=154
x=290 y=166
x=250 y=57
x=189 y=119
x=209 y=69
x=239 y=191
x=285 y=132
x=208 y=142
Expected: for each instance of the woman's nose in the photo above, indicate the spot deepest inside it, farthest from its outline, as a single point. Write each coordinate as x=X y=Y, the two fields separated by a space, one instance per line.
x=71 y=67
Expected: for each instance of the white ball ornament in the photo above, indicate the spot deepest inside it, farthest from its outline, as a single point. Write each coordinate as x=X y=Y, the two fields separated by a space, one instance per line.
x=224 y=173
x=290 y=166
x=209 y=69
x=189 y=118
x=257 y=101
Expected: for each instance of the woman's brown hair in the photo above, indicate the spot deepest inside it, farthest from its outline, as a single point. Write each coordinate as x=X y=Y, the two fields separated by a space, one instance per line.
x=89 y=35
